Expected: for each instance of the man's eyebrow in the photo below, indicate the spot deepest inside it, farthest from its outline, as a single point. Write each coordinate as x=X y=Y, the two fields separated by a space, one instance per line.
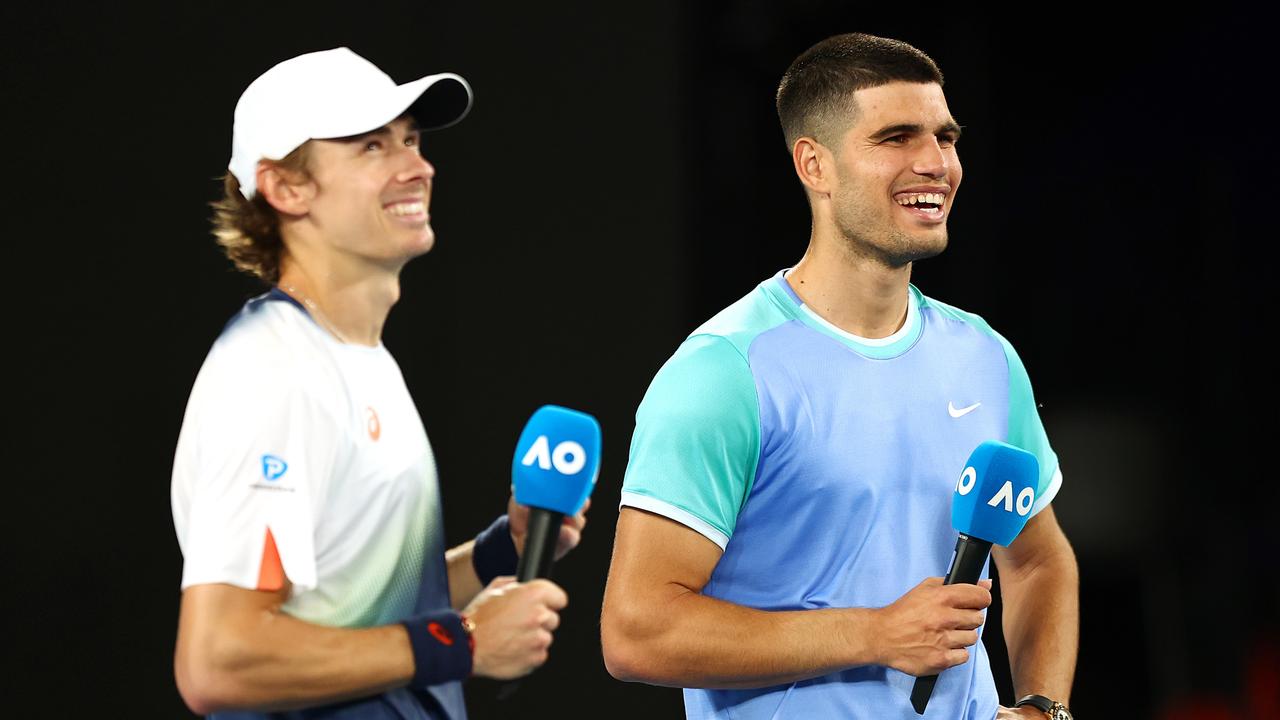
x=949 y=126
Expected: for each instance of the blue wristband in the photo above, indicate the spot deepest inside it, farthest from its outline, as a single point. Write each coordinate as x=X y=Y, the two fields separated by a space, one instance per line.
x=442 y=648
x=494 y=553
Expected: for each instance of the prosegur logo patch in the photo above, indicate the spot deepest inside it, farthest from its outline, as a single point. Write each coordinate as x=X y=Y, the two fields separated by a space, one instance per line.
x=273 y=467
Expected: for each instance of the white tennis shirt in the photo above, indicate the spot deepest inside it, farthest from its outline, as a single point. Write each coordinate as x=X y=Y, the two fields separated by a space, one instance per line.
x=292 y=434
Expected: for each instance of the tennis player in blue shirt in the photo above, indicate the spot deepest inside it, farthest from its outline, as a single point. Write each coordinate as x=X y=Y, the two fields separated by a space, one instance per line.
x=786 y=505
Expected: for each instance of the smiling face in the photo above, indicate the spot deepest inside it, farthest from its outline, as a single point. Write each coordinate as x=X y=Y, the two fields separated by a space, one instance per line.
x=371 y=194
x=897 y=173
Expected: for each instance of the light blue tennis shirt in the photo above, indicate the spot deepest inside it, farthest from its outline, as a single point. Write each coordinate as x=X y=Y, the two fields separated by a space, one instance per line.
x=824 y=464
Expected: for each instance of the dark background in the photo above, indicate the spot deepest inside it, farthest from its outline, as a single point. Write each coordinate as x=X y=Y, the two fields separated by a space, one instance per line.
x=620 y=179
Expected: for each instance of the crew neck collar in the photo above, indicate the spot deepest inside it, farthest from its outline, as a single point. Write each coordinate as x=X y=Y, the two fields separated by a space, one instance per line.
x=878 y=348
x=277 y=294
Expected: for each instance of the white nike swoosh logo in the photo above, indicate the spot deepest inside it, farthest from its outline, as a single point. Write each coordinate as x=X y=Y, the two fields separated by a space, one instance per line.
x=951 y=409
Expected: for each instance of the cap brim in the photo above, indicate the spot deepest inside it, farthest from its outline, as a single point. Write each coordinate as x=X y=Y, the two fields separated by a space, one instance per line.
x=435 y=101
x=444 y=101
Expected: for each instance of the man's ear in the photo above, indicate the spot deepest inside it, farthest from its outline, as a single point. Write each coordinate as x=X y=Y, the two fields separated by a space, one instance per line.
x=814 y=165
x=289 y=193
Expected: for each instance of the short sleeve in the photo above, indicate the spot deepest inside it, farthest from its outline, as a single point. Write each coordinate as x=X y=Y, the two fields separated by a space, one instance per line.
x=1027 y=432
x=697 y=439
x=252 y=465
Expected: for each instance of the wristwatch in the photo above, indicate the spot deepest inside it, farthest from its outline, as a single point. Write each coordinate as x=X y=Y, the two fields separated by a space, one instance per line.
x=1054 y=709
x=469 y=625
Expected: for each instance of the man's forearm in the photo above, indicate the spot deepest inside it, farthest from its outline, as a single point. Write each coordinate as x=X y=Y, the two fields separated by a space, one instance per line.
x=699 y=641
x=265 y=659
x=464 y=584
x=657 y=627
x=1042 y=625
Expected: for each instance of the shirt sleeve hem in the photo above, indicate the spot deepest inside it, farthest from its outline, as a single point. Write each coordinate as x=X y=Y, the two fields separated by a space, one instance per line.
x=667 y=510
x=1054 y=484
x=236 y=581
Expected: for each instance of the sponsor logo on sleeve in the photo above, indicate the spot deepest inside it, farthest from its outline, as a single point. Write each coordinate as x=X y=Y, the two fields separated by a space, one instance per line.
x=273 y=468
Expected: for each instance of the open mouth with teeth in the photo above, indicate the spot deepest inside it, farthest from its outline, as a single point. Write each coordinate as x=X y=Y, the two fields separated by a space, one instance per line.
x=928 y=205
x=407 y=208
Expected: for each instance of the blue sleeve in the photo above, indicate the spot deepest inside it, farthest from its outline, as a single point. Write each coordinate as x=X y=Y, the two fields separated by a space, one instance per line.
x=1026 y=431
x=697 y=439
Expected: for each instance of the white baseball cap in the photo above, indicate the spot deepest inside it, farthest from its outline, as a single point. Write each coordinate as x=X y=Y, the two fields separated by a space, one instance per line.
x=331 y=94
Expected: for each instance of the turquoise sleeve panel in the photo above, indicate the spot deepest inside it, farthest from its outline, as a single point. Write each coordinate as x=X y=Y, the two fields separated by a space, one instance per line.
x=1025 y=429
x=697 y=439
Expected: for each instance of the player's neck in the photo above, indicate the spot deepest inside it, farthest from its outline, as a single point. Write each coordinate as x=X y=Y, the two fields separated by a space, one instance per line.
x=856 y=294
x=349 y=302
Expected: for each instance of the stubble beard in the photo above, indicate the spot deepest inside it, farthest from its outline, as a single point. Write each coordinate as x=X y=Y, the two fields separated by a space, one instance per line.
x=870 y=236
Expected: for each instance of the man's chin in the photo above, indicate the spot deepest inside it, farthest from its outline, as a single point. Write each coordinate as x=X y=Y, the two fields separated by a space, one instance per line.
x=913 y=249
x=423 y=243
x=933 y=249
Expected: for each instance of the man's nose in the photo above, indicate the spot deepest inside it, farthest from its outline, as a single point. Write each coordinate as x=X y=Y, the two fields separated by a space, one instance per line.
x=932 y=160
x=416 y=168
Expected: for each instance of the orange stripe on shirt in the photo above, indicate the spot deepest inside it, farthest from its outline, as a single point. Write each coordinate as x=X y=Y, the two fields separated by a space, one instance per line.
x=271 y=572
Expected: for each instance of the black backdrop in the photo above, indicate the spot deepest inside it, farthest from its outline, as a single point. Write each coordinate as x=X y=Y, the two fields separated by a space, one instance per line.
x=620 y=179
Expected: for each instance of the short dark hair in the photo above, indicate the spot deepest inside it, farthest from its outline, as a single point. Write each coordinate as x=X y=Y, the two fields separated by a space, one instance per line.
x=815 y=97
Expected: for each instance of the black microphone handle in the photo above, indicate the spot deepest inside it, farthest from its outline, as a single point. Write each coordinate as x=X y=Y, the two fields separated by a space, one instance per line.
x=966 y=567
x=971 y=555
x=535 y=562
x=539 y=544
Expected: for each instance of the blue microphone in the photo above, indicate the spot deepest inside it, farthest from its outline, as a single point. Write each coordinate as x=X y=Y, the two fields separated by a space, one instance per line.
x=555 y=467
x=992 y=501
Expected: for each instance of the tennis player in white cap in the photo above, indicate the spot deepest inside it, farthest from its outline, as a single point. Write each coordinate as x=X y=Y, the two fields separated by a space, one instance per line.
x=315 y=580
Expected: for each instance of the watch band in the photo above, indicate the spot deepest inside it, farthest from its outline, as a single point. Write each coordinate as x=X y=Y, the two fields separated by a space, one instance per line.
x=469 y=625
x=1054 y=709
x=1039 y=702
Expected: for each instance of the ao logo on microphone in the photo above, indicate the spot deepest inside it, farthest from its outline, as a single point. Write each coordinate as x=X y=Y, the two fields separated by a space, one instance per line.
x=557 y=460
x=1004 y=495
x=568 y=457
